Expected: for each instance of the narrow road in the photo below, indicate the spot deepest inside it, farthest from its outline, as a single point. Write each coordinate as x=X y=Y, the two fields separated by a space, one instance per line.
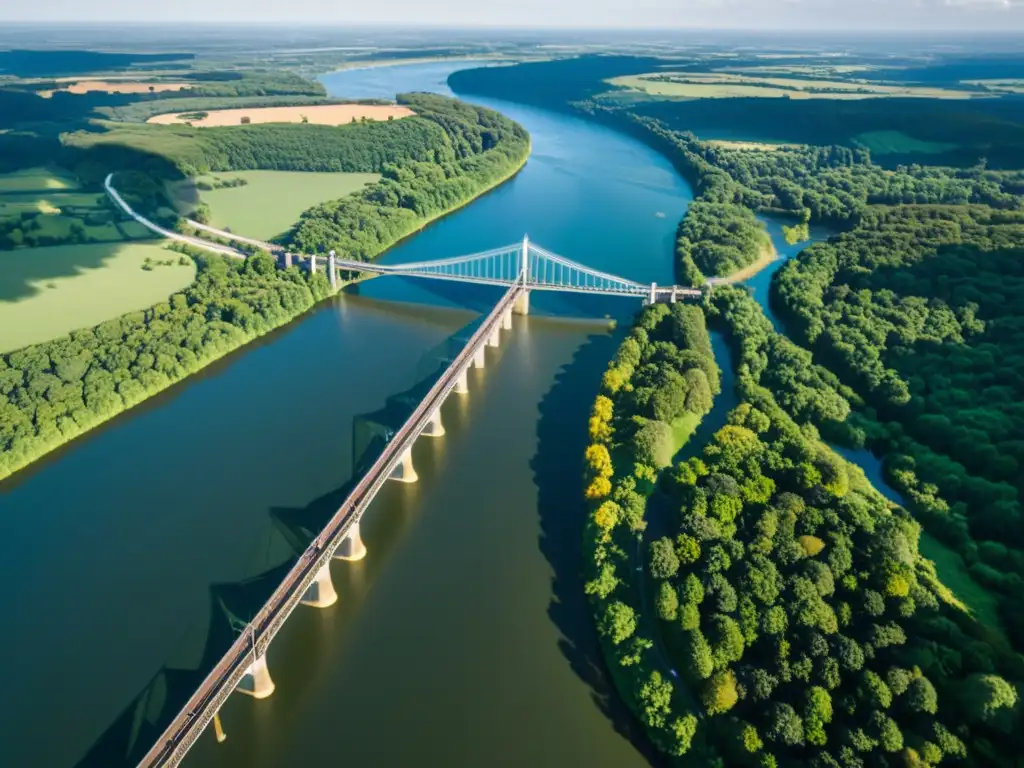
x=171 y=235
x=272 y=247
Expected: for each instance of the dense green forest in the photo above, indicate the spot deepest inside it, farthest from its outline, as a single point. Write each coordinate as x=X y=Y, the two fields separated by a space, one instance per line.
x=789 y=596
x=442 y=158
x=663 y=370
x=55 y=391
x=480 y=146
x=975 y=130
x=187 y=151
x=918 y=309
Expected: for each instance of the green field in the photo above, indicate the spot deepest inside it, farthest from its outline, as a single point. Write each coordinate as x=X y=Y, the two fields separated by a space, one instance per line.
x=35 y=179
x=898 y=143
x=272 y=201
x=47 y=292
x=725 y=85
x=968 y=593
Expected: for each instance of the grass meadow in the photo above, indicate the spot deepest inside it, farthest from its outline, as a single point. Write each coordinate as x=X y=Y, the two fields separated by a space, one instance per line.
x=726 y=85
x=272 y=201
x=899 y=143
x=48 y=292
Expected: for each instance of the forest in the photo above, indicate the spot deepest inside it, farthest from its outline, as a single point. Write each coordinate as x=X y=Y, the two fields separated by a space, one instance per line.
x=918 y=310
x=784 y=615
x=664 y=368
x=975 y=130
x=57 y=390
x=480 y=146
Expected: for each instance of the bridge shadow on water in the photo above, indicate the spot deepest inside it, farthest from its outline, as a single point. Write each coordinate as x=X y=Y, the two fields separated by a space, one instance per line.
x=233 y=605
x=558 y=474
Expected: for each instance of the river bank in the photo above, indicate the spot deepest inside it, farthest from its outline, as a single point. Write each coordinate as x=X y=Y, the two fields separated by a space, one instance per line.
x=472 y=574
x=97 y=408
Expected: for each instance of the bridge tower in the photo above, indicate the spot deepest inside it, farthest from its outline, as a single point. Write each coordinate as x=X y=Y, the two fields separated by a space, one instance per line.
x=522 y=303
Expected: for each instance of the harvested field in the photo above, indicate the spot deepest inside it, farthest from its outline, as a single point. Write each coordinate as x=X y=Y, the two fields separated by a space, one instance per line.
x=126 y=86
x=322 y=114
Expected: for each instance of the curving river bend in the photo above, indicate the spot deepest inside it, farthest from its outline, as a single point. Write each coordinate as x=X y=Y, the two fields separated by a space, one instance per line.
x=463 y=638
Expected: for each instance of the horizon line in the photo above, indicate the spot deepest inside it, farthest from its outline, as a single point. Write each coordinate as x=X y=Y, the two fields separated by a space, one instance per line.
x=516 y=27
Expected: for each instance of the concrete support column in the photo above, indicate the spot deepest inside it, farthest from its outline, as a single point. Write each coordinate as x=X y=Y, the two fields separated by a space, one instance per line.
x=287 y=260
x=320 y=593
x=332 y=273
x=257 y=682
x=351 y=547
x=434 y=427
x=654 y=293
x=479 y=358
x=462 y=384
x=312 y=263
x=405 y=472
x=674 y=297
x=522 y=304
x=494 y=340
x=506 y=320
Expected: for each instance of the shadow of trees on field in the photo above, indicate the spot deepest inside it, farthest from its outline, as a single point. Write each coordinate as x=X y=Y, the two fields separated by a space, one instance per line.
x=558 y=473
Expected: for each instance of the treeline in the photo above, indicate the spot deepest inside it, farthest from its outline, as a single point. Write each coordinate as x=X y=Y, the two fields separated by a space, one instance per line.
x=179 y=151
x=793 y=602
x=59 y=390
x=918 y=309
x=250 y=83
x=479 y=148
x=830 y=185
x=55 y=391
x=720 y=238
x=663 y=370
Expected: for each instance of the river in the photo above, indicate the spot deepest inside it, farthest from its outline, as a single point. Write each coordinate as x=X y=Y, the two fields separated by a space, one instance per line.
x=463 y=638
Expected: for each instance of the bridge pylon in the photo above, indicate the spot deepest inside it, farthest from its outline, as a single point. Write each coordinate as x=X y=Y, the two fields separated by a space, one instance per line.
x=405 y=472
x=434 y=427
x=257 y=681
x=320 y=593
x=351 y=547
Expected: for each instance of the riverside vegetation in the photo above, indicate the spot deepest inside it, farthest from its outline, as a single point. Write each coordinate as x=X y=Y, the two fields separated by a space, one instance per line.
x=788 y=617
x=441 y=158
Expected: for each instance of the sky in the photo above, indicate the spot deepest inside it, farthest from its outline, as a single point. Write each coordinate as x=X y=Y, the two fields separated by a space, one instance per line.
x=903 y=15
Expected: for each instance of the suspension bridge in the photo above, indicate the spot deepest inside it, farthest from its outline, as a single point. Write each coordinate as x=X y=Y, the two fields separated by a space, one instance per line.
x=520 y=268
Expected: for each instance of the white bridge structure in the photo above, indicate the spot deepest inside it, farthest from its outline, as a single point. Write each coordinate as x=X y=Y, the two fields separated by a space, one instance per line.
x=537 y=268
x=519 y=268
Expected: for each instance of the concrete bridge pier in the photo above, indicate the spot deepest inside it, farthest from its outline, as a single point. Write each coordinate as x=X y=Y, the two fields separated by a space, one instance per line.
x=479 y=358
x=522 y=304
x=257 y=682
x=287 y=260
x=462 y=384
x=312 y=263
x=320 y=593
x=405 y=472
x=332 y=273
x=351 y=547
x=506 y=320
x=434 y=427
x=494 y=340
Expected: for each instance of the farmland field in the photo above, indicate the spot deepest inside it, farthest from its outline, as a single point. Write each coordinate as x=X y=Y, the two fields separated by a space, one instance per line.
x=324 y=114
x=272 y=201
x=124 y=86
x=35 y=179
x=898 y=143
x=725 y=85
x=47 y=292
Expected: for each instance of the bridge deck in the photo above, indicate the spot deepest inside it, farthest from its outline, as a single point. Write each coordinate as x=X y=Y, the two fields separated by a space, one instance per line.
x=252 y=643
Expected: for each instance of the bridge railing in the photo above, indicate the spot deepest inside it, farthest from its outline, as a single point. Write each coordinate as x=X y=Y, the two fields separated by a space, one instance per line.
x=253 y=642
